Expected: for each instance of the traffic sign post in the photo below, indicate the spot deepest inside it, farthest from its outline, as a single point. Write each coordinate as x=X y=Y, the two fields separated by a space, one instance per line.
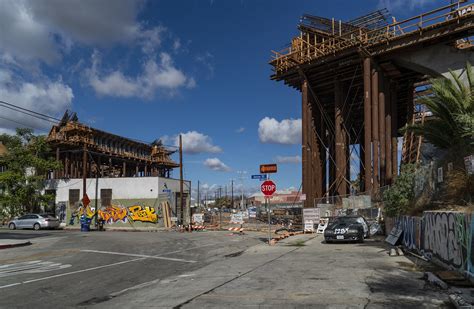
x=268 y=188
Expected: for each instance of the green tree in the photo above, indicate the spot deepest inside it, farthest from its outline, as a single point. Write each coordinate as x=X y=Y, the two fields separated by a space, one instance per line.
x=452 y=106
x=399 y=197
x=27 y=163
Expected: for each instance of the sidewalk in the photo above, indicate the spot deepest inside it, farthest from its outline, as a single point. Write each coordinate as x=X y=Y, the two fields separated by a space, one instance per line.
x=12 y=243
x=299 y=271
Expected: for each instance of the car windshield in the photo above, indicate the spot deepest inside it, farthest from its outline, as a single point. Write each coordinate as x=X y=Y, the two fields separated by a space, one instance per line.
x=345 y=220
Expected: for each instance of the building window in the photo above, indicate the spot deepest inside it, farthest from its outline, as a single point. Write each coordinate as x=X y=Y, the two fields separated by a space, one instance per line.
x=105 y=197
x=74 y=196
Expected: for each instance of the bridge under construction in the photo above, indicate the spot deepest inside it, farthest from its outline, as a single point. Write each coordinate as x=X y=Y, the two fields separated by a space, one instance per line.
x=359 y=81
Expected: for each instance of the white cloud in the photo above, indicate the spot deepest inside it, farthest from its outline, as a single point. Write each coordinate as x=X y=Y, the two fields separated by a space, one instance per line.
x=193 y=142
x=288 y=159
x=216 y=165
x=163 y=76
x=287 y=131
x=44 y=96
x=240 y=130
x=40 y=29
x=397 y=5
x=207 y=60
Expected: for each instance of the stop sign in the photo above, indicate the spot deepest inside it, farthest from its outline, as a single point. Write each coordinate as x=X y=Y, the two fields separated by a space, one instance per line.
x=268 y=188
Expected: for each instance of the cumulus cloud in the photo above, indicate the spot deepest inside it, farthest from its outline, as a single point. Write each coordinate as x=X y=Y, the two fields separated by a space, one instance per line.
x=240 y=130
x=216 y=165
x=155 y=76
x=288 y=159
x=42 y=29
x=44 y=96
x=193 y=142
x=397 y=5
x=287 y=131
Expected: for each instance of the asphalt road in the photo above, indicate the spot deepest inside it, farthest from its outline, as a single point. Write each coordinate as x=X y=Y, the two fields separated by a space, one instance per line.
x=67 y=269
x=64 y=269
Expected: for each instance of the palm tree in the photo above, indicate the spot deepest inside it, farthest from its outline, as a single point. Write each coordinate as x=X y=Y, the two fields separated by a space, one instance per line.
x=452 y=107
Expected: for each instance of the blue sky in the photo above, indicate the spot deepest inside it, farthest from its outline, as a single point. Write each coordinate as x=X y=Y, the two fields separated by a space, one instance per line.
x=154 y=69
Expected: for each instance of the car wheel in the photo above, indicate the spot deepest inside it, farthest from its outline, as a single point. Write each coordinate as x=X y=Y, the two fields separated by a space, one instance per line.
x=36 y=226
x=361 y=238
x=12 y=226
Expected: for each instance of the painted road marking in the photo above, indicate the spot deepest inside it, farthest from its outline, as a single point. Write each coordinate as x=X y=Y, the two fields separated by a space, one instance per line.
x=94 y=268
x=70 y=273
x=140 y=255
x=30 y=267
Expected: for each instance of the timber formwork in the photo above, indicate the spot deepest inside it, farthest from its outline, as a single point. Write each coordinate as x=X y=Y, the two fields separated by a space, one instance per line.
x=83 y=150
x=356 y=95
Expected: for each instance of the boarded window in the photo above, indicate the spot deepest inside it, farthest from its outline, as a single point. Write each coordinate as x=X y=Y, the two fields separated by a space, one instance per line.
x=73 y=196
x=106 y=197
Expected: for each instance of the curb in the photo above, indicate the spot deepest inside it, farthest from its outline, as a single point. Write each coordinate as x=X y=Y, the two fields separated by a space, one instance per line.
x=21 y=244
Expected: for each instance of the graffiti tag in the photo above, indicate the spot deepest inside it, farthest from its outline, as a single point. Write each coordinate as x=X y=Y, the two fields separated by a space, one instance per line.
x=442 y=238
x=142 y=213
x=113 y=214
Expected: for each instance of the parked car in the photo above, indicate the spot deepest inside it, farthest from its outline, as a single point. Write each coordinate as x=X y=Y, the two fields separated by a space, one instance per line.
x=34 y=221
x=347 y=228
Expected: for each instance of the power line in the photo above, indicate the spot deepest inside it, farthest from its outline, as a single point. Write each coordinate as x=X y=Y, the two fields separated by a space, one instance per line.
x=30 y=111
x=20 y=123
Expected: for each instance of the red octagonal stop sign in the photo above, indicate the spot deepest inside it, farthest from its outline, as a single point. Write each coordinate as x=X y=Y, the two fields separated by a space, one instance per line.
x=268 y=188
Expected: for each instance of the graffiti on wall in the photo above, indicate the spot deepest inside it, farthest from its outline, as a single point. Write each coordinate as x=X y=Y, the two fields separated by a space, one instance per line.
x=445 y=237
x=113 y=214
x=61 y=211
x=142 y=214
x=411 y=227
x=87 y=211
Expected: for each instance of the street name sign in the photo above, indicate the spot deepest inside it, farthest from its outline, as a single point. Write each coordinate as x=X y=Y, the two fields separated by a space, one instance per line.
x=268 y=187
x=260 y=177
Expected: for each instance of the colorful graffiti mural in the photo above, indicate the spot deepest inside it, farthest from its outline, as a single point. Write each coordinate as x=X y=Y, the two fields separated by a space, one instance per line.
x=113 y=214
x=79 y=211
x=142 y=214
x=444 y=237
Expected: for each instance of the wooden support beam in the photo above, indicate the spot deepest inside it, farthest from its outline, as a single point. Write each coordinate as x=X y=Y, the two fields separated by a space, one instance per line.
x=388 y=132
x=67 y=165
x=394 y=127
x=57 y=172
x=124 y=169
x=375 y=129
x=305 y=150
x=367 y=125
x=340 y=141
x=382 y=130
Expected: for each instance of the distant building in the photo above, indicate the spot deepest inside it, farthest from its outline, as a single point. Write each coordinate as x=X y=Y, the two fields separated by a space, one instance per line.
x=279 y=199
x=132 y=178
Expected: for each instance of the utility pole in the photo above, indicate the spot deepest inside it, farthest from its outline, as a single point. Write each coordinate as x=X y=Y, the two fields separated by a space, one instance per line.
x=232 y=192
x=84 y=171
x=198 y=197
x=96 y=195
x=181 y=197
x=242 y=188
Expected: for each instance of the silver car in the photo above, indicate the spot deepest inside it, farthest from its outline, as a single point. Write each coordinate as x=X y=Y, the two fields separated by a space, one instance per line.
x=34 y=221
